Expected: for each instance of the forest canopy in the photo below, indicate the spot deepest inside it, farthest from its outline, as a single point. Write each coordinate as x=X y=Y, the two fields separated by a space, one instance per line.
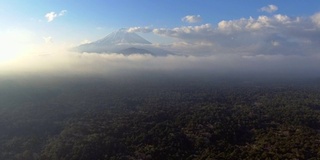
x=158 y=117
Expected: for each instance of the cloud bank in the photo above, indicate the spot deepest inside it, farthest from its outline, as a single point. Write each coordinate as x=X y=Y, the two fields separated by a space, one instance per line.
x=265 y=35
x=94 y=64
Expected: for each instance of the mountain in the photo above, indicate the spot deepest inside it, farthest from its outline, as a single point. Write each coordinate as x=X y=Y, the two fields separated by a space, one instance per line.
x=122 y=42
x=133 y=50
x=122 y=37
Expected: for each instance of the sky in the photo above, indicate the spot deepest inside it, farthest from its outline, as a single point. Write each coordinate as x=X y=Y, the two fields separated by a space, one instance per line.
x=250 y=34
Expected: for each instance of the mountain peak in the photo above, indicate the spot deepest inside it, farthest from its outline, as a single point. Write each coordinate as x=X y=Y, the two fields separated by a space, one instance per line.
x=122 y=36
x=122 y=41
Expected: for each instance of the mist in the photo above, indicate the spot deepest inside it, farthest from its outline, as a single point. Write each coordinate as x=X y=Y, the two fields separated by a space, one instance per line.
x=111 y=65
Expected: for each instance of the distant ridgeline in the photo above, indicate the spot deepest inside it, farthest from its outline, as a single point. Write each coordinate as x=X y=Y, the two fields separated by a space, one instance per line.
x=122 y=42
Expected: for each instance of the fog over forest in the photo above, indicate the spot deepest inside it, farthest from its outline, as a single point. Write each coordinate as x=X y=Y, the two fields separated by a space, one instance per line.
x=95 y=64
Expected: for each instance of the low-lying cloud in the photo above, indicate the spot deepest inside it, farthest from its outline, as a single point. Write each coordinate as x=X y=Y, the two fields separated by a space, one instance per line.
x=70 y=63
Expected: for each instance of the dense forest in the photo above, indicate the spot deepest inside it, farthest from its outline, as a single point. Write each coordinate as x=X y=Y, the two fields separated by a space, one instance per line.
x=158 y=118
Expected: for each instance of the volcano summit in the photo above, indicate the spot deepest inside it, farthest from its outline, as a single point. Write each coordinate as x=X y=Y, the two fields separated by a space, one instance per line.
x=122 y=42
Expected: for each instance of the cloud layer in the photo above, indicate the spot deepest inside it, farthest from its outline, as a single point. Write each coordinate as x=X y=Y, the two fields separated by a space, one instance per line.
x=265 y=35
x=68 y=63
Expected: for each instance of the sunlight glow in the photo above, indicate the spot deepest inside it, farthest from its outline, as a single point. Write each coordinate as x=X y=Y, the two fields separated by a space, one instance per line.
x=10 y=51
x=14 y=43
x=13 y=50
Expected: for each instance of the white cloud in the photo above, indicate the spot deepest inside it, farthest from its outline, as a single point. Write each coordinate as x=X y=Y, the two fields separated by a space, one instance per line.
x=191 y=18
x=178 y=31
x=275 y=43
x=48 y=40
x=282 y=18
x=140 y=29
x=266 y=35
x=316 y=19
x=270 y=8
x=63 y=12
x=85 y=41
x=52 y=15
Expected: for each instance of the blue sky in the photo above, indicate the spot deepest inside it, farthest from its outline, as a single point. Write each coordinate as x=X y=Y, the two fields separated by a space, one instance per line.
x=96 y=18
x=233 y=32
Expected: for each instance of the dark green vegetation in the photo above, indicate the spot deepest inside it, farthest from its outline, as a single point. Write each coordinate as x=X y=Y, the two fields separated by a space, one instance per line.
x=158 y=119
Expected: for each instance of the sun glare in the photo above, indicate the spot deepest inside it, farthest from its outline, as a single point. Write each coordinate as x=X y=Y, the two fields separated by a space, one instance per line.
x=10 y=51
x=14 y=42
